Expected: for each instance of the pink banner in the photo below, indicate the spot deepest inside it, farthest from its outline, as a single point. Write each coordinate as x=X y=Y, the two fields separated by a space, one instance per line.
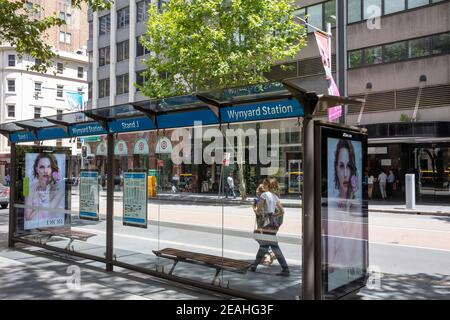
x=325 y=52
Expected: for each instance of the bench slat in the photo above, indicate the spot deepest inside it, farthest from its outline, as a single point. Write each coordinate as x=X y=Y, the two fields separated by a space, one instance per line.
x=209 y=260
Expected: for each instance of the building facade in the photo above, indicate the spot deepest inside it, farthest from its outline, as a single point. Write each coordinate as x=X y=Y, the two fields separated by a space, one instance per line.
x=25 y=94
x=397 y=57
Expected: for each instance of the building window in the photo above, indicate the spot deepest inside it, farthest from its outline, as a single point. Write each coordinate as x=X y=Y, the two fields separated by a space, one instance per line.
x=62 y=15
x=11 y=111
x=162 y=5
x=37 y=112
x=80 y=72
x=395 y=52
x=122 y=84
x=441 y=44
x=358 y=10
x=319 y=15
x=91 y=29
x=59 y=91
x=315 y=17
x=353 y=11
x=123 y=18
x=104 y=24
x=11 y=85
x=68 y=19
x=59 y=67
x=400 y=51
x=90 y=91
x=123 y=50
x=140 y=79
x=392 y=6
x=11 y=60
x=37 y=87
x=142 y=9
x=68 y=38
x=59 y=114
x=62 y=36
x=103 y=88
x=103 y=54
x=140 y=49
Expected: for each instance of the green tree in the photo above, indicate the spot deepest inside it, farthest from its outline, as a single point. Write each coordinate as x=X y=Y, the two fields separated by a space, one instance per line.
x=204 y=44
x=199 y=45
x=21 y=27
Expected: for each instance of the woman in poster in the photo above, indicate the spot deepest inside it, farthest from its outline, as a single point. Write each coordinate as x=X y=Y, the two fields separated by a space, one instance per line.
x=344 y=219
x=46 y=190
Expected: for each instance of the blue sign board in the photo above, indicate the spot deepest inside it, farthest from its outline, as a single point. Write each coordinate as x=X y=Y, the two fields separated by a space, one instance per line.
x=187 y=119
x=22 y=137
x=262 y=111
x=89 y=195
x=131 y=124
x=52 y=133
x=86 y=129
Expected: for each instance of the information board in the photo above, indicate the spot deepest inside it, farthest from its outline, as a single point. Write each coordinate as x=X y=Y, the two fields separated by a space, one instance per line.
x=89 y=195
x=135 y=199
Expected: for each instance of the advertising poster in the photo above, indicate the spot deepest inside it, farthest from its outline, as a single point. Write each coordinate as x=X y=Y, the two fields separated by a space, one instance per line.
x=135 y=199
x=44 y=190
x=89 y=200
x=344 y=214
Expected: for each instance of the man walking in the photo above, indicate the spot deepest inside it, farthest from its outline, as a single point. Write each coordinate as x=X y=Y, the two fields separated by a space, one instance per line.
x=382 y=178
x=230 y=184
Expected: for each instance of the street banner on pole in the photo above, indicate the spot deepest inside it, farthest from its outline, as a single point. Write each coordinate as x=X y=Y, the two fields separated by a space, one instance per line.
x=323 y=42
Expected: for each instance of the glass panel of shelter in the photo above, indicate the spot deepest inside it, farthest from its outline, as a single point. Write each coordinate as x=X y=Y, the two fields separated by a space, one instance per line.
x=47 y=207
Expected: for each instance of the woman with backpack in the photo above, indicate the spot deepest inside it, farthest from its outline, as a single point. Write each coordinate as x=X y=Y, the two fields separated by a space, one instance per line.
x=269 y=216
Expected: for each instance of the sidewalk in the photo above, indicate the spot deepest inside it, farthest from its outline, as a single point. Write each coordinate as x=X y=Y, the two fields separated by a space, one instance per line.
x=374 y=206
x=29 y=273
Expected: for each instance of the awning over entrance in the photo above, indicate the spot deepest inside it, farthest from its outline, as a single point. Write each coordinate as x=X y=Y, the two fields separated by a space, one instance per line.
x=272 y=100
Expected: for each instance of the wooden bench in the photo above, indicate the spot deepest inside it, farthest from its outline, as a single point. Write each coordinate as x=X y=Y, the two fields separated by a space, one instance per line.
x=68 y=233
x=218 y=263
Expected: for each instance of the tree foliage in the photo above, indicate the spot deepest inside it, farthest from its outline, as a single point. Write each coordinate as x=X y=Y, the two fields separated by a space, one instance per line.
x=204 y=44
x=21 y=27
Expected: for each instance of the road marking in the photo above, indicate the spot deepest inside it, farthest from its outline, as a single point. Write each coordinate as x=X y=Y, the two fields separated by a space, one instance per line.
x=408 y=246
x=413 y=229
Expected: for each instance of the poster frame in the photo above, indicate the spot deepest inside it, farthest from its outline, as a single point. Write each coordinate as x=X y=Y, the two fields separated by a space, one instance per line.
x=131 y=224
x=323 y=131
x=97 y=217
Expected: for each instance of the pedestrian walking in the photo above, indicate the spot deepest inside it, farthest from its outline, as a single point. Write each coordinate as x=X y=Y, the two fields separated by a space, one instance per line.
x=370 y=181
x=382 y=179
x=390 y=183
x=230 y=186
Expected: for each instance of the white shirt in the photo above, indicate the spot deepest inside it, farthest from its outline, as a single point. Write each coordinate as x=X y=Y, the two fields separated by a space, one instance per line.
x=370 y=180
x=230 y=182
x=270 y=202
x=382 y=177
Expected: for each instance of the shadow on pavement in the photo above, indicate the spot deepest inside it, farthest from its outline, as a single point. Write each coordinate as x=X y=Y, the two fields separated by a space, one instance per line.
x=417 y=286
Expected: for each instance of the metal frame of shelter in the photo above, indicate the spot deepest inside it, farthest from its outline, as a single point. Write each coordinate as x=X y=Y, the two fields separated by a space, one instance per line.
x=173 y=112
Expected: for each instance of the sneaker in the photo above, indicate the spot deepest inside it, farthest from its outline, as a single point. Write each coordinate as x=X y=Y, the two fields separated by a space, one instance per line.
x=284 y=273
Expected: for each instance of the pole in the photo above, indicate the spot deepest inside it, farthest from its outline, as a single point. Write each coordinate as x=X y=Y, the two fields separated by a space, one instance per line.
x=110 y=204
x=12 y=196
x=308 y=258
x=341 y=54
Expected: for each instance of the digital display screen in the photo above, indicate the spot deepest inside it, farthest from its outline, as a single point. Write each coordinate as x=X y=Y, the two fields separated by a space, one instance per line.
x=344 y=211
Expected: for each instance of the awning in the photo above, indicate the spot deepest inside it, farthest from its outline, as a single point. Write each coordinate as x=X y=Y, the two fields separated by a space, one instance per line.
x=264 y=101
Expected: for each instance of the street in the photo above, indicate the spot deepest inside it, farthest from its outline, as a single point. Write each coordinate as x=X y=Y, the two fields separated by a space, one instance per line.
x=410 y=254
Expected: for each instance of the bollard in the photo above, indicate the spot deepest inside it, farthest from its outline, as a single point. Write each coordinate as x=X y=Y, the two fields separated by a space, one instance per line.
x=410 y=190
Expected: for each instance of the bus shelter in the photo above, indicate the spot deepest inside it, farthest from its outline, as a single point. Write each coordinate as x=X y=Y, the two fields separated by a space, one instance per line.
x=167 y=187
